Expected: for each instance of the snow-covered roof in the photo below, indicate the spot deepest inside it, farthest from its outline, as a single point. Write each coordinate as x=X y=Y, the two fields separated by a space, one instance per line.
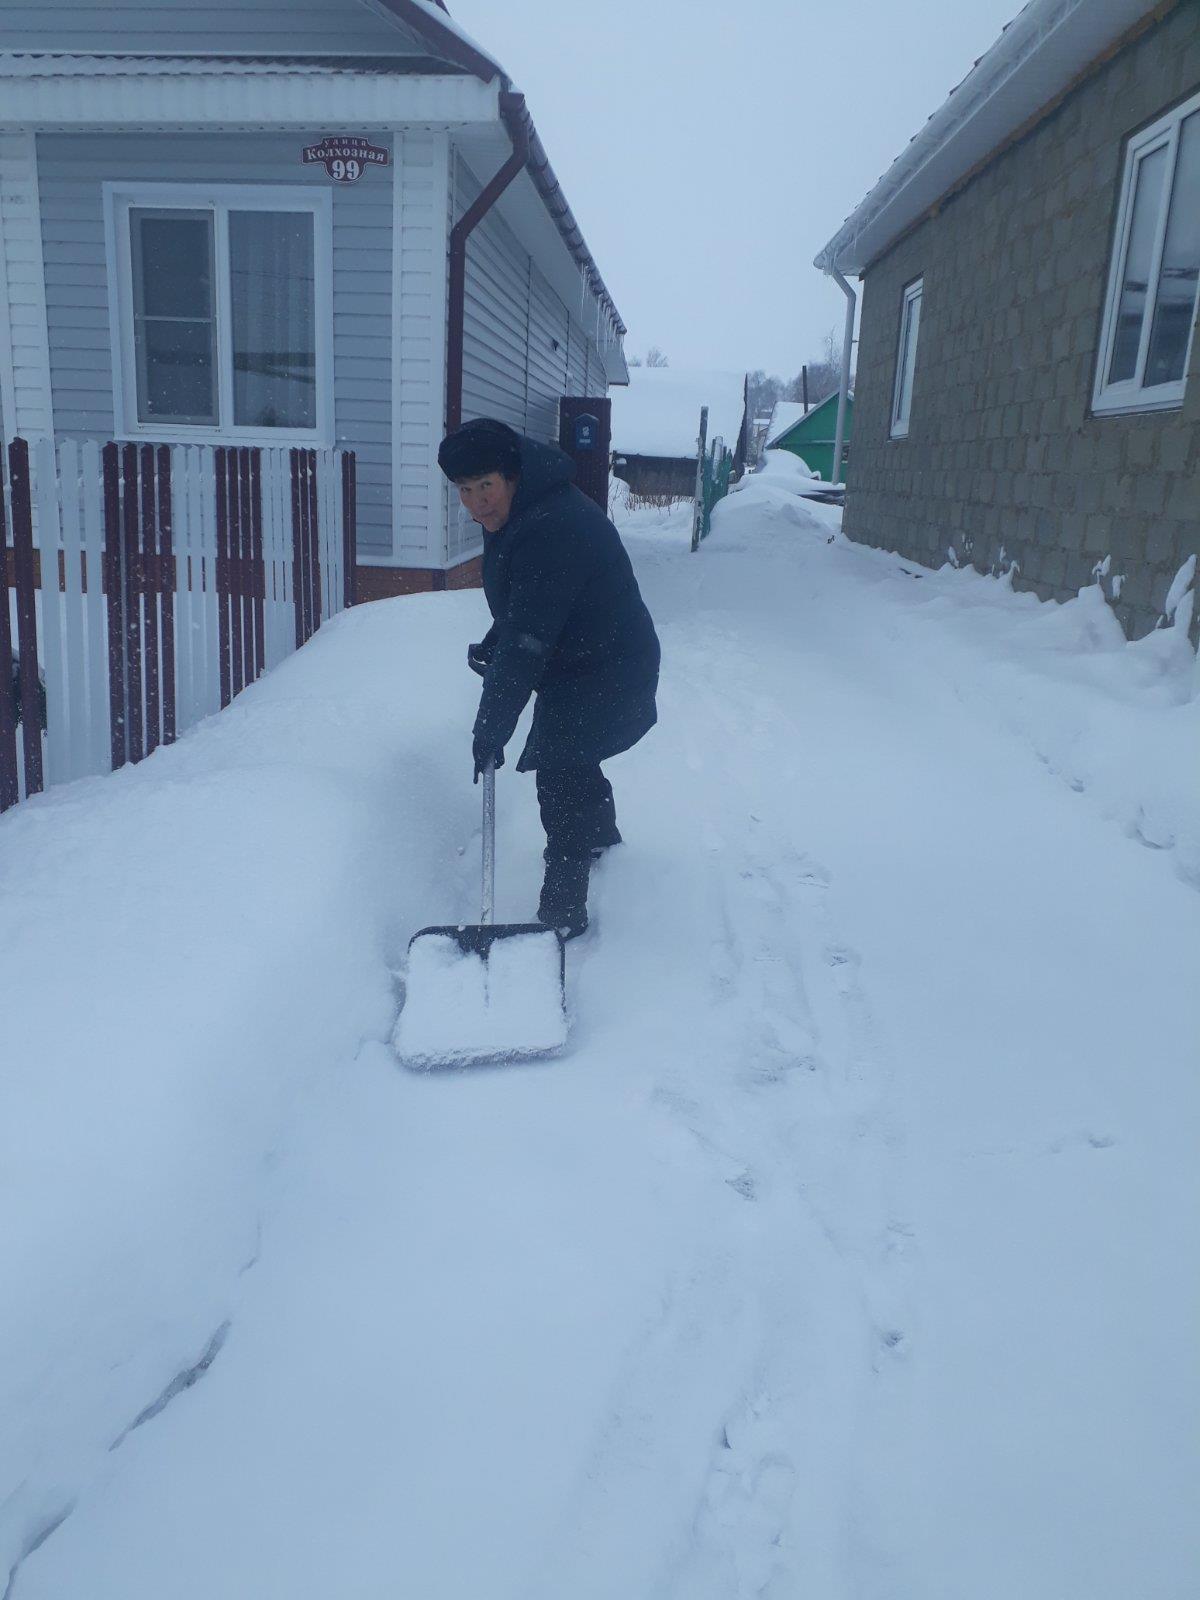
x=441 y=19
x=1039 y=54
x=659 y=413
x=784 y=414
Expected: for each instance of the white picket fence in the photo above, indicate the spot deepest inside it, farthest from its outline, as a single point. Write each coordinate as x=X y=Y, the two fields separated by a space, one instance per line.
x=67 y=492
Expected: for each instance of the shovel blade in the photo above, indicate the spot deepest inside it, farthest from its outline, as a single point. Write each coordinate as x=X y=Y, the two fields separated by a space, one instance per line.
x=479 y=993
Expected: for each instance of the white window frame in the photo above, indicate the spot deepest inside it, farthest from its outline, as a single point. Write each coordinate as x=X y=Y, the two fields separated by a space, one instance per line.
x=1129 y=395
x=906 y=358
x=220 y=199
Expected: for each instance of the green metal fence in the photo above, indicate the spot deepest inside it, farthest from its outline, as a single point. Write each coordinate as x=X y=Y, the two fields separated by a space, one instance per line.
x=714 y=469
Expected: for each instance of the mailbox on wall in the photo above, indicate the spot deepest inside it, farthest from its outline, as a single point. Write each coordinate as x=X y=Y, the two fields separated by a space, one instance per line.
x=585 y=433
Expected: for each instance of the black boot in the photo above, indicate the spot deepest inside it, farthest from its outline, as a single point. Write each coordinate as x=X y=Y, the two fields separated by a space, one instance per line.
x=606 y=843
x=563 y=903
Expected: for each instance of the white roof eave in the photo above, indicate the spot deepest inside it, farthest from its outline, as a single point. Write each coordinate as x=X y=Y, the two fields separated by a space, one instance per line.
x=148 y=95
x=1041 y=52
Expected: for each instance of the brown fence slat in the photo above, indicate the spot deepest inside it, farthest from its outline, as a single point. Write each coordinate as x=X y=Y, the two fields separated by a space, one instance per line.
x=237 y=573
x=223 y=571
x=26 y=581
x=305 y=552
x=249 y=586
x=258 y=564
x=150 y=589
x=113 y=587
x=166 y=577
x=9 y=786
x=314 y=534
x=349 y=526
x=311 y=568
x=233 y=574
x=134 y=584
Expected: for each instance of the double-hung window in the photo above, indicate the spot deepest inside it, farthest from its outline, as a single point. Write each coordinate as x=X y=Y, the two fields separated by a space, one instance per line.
x=221 y=311
x=1150 y=309
x=906 y=358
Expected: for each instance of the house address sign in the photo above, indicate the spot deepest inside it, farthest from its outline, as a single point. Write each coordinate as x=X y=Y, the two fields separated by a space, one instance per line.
x=345 y=158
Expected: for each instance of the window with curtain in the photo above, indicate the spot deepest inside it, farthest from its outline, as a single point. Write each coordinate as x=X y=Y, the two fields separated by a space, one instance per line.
x=174 y=316
x=271 y=265
x=1150 y=312
x=223 y=313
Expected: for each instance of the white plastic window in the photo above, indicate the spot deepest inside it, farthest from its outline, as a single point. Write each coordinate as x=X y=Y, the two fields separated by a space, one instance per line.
x=906 y=358
x=222 y=314
x=1150 y=309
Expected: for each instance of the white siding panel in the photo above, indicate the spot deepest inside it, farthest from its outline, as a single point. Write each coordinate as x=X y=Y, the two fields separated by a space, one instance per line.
x=422 y=199
x=72 y=169
x=25 y=388
x=496 y=315
x=523 y=347
x=267 y=26
x=549 y=325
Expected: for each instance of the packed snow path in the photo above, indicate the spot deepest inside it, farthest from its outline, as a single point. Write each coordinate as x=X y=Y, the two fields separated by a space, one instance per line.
x=849 y=1253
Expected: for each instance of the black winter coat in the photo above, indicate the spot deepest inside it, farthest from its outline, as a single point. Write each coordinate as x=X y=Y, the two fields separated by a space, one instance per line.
x=570 y=623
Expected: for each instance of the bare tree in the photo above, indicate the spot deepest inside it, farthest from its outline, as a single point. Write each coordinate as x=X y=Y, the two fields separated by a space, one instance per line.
x=764 y=390
x=824 y=373
x=655 y=357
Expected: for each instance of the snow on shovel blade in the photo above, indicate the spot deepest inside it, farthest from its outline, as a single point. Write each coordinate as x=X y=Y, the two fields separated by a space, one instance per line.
x=483 y=992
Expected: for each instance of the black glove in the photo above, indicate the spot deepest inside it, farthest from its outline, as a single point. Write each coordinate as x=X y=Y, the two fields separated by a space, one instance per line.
x=479 y=657
x=484 y=755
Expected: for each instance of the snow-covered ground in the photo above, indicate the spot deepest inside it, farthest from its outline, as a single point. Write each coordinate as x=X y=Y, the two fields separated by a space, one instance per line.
x=850 y=1252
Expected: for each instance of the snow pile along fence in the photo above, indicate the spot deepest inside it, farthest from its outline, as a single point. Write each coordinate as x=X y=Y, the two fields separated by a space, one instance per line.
x=143 y=586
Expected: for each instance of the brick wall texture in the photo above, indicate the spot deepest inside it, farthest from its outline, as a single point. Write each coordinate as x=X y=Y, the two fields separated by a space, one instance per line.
x=1004 y=461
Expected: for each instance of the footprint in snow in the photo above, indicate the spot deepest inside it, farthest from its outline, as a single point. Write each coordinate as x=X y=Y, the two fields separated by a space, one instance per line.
x=839 y=956
x=745 y=1185
x=1075 y=1141
x=811 y=874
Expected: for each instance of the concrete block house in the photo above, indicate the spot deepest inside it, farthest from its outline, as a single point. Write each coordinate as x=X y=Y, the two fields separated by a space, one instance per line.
x=327 y=223
x=1028 y=373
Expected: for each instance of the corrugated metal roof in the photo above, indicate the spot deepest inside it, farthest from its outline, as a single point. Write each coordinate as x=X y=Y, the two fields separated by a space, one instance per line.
x=178 y=93
x=62 y=64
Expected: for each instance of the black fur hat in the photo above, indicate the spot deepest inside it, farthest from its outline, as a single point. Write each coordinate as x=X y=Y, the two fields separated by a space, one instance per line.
x=480 y=447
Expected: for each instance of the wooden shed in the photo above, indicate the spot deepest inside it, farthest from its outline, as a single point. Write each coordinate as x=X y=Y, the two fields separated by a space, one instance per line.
x=656 y=423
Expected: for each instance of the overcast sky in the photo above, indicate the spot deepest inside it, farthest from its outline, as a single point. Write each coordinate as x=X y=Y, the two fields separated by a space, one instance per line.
x=710 y=149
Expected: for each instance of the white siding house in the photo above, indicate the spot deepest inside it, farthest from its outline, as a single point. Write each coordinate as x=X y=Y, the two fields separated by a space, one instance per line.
x=173 y=267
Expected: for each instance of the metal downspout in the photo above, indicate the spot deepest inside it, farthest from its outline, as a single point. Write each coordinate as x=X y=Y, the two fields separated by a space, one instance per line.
x=844 y=389
x=516 y=121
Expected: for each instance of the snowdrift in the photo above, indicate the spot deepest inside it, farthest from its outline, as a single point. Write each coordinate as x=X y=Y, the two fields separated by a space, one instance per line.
x=183 y=947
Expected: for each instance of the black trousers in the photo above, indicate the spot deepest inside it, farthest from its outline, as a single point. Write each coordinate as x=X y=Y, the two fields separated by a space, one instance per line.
x=577 y=809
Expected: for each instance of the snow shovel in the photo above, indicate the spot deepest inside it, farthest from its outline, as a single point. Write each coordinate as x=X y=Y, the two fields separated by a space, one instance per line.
x=486 y=991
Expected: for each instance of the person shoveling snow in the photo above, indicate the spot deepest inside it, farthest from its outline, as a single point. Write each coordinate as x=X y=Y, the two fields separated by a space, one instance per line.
x=569 y=625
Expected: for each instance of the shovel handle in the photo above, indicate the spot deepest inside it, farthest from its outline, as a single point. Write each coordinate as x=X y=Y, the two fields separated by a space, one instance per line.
x=489 y=844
